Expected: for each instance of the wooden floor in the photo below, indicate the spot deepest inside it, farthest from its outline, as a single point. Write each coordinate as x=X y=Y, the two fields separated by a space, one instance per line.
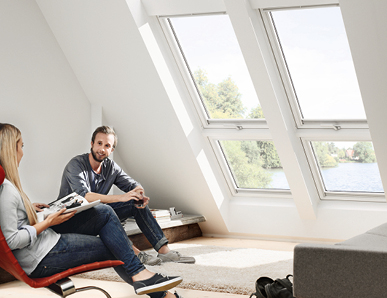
x=17 y=289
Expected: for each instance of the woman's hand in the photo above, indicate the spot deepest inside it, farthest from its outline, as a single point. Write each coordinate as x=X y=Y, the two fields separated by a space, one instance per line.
x=38 y=206
x=58 y=217
x=53 y=219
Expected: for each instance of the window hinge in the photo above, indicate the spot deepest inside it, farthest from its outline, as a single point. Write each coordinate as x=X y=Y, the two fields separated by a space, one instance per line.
x=334 y=127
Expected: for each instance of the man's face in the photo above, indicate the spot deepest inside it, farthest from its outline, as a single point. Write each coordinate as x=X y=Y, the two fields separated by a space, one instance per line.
x=102 y=146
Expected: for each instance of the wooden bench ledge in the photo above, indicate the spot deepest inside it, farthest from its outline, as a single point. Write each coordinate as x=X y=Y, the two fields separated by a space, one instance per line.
x=175 y=230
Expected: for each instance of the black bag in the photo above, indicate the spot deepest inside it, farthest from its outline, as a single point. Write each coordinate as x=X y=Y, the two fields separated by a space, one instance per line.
x=267 y=288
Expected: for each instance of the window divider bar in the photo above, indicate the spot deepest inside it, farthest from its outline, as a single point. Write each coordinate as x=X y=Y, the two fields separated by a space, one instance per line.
x=298 y=7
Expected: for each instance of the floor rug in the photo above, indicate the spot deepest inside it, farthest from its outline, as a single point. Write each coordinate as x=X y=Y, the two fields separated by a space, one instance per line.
x=217 y=268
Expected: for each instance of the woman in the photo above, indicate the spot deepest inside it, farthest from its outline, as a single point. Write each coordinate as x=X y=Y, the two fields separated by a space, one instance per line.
x=43 y=252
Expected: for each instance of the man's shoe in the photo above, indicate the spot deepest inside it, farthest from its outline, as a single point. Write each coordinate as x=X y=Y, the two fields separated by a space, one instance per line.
x=148 y=259
x=174 y=256
x=157 y=283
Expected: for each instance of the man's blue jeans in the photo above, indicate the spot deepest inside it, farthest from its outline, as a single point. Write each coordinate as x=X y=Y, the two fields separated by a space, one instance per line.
x=79 y=245
x=145 y=221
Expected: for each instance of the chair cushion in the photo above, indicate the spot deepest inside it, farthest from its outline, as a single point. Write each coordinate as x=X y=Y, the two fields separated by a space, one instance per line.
x=2 y=175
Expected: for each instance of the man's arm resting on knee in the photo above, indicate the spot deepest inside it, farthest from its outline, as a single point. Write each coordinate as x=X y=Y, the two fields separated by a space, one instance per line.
x=136 y=193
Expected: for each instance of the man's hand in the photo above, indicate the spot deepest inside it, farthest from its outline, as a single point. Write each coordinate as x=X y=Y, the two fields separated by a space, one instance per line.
x=145 y=199
x=135 y=194
x=39 y=206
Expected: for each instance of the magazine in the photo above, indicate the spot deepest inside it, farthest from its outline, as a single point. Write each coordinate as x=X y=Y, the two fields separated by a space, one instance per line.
x=160 y=213
x=71 y=202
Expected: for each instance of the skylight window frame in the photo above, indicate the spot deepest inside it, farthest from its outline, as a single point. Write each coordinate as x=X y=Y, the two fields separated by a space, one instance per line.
x=216 y=130
x=187 y=75
x=284 y=73
x=359 y=196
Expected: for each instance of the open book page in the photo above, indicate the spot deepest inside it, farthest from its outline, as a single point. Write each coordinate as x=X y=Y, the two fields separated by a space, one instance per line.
x=71 y=202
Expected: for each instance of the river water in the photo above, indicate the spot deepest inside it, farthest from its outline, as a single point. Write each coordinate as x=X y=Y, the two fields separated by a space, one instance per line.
x=362 y=177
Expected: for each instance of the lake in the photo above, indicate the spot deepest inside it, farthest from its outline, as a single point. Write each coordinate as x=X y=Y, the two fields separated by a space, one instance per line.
x=363 y=177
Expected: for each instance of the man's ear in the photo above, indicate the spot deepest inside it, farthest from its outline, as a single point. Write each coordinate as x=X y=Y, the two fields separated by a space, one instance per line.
x=113 y=149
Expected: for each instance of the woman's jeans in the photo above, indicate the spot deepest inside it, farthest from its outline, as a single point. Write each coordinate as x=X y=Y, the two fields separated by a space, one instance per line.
x=79 y=245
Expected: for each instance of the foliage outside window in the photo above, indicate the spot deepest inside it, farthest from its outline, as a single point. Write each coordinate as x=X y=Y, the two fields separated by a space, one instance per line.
x=223 y=100
x=254 y=164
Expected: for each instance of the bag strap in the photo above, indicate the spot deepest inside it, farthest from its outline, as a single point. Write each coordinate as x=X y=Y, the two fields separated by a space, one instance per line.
x=286 y=283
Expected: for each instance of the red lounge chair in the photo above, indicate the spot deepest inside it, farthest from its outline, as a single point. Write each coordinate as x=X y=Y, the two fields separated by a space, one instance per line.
x=59 y=283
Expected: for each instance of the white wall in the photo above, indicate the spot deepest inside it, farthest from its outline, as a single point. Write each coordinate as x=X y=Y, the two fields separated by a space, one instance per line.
x=41 y=96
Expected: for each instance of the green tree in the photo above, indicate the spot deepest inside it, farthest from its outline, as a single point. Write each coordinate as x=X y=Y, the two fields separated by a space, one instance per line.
x=208 y=91
x=223 y=101
x=230 y=99
x=364 y=152
x=256 y=113
x=252 y=151
x=246 y=174
x=341 y=154
x=324 y=157
x=269 y=155
x=332 y=149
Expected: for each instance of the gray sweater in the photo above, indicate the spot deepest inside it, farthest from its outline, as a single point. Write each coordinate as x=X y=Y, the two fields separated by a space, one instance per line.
x=28 y=247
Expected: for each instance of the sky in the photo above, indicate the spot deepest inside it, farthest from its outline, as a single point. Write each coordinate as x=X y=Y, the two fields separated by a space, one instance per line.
x=315 y=47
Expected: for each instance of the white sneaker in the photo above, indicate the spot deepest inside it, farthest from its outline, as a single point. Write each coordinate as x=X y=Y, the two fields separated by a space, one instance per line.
x=148 y=259
x=174 y=256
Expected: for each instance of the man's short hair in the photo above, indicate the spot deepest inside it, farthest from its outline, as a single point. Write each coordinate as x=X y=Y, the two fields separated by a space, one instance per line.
x=106 y=130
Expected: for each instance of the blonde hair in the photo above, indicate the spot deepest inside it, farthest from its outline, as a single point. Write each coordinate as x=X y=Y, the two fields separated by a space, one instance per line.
x=9 y=138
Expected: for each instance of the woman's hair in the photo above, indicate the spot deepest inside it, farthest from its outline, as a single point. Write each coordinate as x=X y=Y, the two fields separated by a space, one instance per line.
x=9 y=138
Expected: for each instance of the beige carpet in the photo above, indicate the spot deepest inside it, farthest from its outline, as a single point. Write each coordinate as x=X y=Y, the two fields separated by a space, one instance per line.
x=219 y=269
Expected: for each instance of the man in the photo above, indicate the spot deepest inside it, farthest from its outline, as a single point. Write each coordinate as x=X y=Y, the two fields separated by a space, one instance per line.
x=91 y=175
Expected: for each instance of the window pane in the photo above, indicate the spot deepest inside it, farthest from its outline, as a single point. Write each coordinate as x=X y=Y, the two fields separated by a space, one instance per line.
x=348 y=166
x=215 y=60
x=316 y=50
x=254 y=164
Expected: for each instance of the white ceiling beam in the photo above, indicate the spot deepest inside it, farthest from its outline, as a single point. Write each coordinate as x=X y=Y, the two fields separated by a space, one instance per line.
x=253 y=41
x=366 y=25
